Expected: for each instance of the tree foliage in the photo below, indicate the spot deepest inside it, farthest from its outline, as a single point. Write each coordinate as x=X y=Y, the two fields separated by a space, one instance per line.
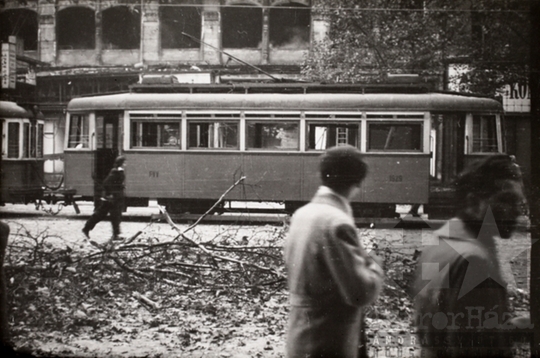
x=368 y=39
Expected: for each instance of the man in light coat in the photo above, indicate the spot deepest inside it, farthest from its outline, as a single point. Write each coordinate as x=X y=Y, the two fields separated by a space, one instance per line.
x=330 y=276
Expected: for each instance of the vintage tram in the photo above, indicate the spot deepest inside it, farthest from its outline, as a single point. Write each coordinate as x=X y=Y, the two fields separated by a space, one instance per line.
x=186 y=144
x=22 y=154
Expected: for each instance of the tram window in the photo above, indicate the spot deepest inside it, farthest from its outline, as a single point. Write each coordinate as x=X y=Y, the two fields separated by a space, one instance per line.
x=78 y=132
x=13 y=140
x=323 y=135
x=484 y=134
x=395 y=136
x=223 y=135
x=39 y=145
x=26 y=141
x=32 y=146
x=155 y=135
x=278 y=135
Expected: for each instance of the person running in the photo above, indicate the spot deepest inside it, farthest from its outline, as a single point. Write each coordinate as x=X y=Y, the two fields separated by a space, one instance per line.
x=112 y=201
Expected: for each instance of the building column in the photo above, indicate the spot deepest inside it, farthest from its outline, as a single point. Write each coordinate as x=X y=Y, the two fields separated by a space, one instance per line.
x=99 y=34
x=47 y=46
x=150 y=40
x=211 y=34
x=265 y=44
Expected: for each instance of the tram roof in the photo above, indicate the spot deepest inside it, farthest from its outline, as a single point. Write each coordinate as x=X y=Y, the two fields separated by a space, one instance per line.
x=284 y=101
x=12 y=110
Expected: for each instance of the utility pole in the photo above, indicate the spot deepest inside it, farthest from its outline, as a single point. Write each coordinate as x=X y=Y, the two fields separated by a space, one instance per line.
x=534 y=200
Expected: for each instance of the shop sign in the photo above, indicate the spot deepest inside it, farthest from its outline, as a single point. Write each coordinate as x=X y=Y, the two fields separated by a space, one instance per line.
x=517 y=98
x=9 y=65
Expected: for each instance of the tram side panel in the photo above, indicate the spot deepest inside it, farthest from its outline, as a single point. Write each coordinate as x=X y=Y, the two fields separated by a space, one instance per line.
x=399 y=179
x=79 y=173
x=22 y=180
x=273 y=176
x=207 y=175
x=155 y=175
x=286 y=177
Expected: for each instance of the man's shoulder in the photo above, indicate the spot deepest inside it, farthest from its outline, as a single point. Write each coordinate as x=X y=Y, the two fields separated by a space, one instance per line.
x=319 y=211
x=454 y=250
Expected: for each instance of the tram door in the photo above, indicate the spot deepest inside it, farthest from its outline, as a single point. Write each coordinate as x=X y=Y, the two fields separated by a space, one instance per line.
x=107 y=147
x=447 y=144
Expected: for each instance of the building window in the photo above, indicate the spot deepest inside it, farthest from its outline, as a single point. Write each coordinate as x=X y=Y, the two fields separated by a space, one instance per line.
x=241 y=26
x=290 y=26
x=221 y=135
x=272 y=135
x=321 y=136
x=385 y=136
x=484 y=134
x=164 y=135
x=176 y=19
x=76 y=28
x=121 y=27
x=78 y=132
x=13 y=140
x=22 y=23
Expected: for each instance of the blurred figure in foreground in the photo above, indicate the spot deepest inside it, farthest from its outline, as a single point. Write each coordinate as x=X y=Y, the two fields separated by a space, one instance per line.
x=461 y=298
x=112 y=201
x=330 y=276
x=4 y=328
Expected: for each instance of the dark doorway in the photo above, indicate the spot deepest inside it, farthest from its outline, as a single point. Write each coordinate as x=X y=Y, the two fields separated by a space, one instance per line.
x=107 y=147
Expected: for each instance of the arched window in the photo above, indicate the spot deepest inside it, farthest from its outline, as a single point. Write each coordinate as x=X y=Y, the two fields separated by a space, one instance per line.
x=176 y=17
x=241 y=26
x=22 y=23
x=290 y=26
x=121 y=27
x=76 y=28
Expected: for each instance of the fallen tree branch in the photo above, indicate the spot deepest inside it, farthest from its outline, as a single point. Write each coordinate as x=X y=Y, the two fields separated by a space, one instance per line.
x=146 y=300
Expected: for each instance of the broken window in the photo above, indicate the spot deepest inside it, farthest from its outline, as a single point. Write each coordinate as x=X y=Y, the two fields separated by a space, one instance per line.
x=290 y=26
x=21 y=23
x=76 y=28
x=121 y=27
x=177 y=16
x=241 y=26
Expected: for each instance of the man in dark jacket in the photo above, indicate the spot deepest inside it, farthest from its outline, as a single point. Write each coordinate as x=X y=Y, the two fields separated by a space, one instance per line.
x=112 y=201
x=460 y=295
x=330 y=275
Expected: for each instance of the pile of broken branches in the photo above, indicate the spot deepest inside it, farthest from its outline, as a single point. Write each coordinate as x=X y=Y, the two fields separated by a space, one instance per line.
x=221 y=262
x=234 y=259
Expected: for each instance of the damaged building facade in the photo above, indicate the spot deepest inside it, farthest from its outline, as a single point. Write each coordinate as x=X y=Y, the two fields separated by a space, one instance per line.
x=157 y=32
x=95 y=47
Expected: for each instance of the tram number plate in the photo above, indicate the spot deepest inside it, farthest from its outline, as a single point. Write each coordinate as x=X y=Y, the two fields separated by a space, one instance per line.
x=395 y=178
x=153 y=174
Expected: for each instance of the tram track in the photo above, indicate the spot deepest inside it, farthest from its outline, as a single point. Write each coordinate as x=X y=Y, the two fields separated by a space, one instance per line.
x=233 y=217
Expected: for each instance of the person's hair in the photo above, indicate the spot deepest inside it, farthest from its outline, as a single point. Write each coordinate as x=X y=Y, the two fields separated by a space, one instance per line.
x=484 y=178
x=119 y=161
x=342 y=167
